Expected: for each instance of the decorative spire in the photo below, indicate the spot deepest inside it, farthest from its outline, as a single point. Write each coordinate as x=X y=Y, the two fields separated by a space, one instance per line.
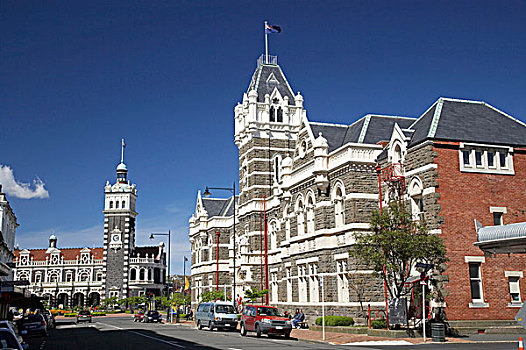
x=121 y=168
x=123 y=146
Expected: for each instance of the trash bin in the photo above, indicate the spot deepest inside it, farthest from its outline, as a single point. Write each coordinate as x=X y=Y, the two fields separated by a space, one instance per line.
x=438 y=332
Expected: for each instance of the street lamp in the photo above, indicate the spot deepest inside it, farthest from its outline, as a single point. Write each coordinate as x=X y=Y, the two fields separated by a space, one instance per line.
x=233 y=191
x=152 y=235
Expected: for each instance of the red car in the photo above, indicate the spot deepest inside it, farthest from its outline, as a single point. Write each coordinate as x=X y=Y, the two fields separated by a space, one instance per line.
x=139 y=316
x=264 y=319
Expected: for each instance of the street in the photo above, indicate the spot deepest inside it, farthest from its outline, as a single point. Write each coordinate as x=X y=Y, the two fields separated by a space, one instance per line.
x=122 y=333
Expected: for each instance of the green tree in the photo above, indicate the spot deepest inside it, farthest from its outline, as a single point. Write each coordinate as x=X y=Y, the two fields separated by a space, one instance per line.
x=254 y=294
x=212 y=295
x=397 y=242
x=108 y=302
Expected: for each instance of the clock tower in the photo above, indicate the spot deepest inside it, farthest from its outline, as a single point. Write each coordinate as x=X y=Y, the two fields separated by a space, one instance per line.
x=119 y=232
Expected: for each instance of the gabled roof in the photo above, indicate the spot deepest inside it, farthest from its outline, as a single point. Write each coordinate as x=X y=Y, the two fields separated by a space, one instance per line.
x=369 y=129
x=67 y=253
x=266 y=78
x=219 y=206
x=468 y=121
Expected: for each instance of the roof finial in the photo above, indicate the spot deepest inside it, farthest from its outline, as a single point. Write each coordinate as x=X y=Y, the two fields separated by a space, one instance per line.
x=122 y=151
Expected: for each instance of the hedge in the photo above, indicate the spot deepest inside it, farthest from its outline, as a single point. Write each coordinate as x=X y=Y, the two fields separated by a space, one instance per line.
x=379 y=324
x=70 y=314
x=336 y=321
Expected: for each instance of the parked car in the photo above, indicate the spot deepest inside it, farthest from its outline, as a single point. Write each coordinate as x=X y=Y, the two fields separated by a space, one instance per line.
x=13 y=327
x=152 y=316
x=50 y=319
x=138 y=317
x=264 y=320
x=33 y=324
x=84 y=316
x=8 y=340
x=216 y=315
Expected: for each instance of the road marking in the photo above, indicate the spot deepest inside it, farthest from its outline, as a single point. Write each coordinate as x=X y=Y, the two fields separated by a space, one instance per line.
x=144 y=335
x=380 y=343
x=234 y=349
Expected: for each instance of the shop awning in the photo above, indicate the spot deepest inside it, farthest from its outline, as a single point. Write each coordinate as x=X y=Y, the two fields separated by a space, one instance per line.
x=502 y=239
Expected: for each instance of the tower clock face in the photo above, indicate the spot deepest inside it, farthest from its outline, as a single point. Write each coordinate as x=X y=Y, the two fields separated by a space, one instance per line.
x=116 y=238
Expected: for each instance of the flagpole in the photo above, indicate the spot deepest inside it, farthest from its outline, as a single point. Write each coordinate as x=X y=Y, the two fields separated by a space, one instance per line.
x=266 y=44
x=122 y=151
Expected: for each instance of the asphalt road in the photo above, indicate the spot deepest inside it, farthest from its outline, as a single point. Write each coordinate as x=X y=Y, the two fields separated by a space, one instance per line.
x=107 y=333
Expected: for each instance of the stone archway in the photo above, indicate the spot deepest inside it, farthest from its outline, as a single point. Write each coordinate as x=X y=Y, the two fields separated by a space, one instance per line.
x=78 y=299
x=94 y=299
x=62 y=300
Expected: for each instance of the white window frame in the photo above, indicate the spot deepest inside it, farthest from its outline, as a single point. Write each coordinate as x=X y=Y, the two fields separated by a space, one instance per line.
x=518 y=275
x=484 y=167
x=476 y=303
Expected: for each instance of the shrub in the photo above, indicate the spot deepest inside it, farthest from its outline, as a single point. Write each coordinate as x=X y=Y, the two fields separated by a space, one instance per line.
x=70 y=314
x=379 y=324
x=98 y=314
x=336 y=321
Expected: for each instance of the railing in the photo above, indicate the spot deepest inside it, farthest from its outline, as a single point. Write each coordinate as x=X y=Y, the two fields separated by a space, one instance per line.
x=271 y=60
x=143 y=261
x=58 y=263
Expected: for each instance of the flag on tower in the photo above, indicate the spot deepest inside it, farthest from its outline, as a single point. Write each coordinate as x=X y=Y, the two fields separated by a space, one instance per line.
x=272 y=29
x=123 y=144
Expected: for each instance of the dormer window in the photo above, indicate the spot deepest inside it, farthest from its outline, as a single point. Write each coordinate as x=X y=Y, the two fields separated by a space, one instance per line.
x=123 y=205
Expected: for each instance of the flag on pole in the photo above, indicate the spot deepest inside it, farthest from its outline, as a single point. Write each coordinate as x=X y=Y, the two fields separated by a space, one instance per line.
x=123 y=144
x=272 y=29
x=185 y=258
x=186 y=283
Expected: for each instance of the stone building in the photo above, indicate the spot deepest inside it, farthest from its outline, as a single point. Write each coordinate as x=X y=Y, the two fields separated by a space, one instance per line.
x=316 y=184
x=85 y=276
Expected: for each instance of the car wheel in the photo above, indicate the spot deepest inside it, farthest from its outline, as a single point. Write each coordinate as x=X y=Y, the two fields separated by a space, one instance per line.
x=134 y=319
x=258 y=331
x=210 y=326
x=199 y=325
x=243 y=330
x=287 y=335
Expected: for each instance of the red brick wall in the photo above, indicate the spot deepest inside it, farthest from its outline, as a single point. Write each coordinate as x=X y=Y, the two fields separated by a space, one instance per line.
x=463 y=198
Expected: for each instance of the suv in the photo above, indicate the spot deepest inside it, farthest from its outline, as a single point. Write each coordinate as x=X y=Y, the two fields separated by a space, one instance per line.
x=264 y=319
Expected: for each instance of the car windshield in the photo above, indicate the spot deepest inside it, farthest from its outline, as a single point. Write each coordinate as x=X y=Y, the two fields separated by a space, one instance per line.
x=84 y=313
x=268 y=311
x=225 y=309
x=32 y=318
x=153 y=313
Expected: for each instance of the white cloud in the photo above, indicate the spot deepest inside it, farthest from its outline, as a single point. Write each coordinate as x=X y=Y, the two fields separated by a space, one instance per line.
x=19 y=189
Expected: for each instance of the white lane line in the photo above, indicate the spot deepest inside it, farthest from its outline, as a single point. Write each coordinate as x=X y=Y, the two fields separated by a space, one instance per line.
x=380 y=343
x=234 y=349
x=144 y=335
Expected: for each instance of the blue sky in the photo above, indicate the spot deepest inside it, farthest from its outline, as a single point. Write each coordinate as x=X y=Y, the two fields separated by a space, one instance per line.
x=77 y=76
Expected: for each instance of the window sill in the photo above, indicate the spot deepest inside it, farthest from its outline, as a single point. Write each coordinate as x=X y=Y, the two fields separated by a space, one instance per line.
x=519 y=305
x=478 y=305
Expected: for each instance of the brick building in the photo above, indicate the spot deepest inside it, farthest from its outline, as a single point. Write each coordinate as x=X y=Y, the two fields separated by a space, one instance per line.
x=316 y=184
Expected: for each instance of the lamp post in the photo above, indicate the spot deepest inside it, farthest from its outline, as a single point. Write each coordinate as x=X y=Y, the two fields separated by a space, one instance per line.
x=233 y=191
x=152 y=235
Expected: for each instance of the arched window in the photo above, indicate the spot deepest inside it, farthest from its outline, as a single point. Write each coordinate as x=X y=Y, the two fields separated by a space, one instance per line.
x=149 y=274
x=273 y=236
x=310 y=214
x=123 y=205
x=300 y=217
x=415 y=191
x=286 y=216
x=111 y=204
x=116 y=204
x=280 y=115
x=397 y=154
x=339 y=218
x=141 y=274
x=272 y=114
x=133 y=274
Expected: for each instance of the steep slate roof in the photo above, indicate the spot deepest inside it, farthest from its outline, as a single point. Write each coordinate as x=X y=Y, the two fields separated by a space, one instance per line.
x=370 y=129
x=266 y=78
x=67 y=253
x=219 y=206
x=468 y=121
